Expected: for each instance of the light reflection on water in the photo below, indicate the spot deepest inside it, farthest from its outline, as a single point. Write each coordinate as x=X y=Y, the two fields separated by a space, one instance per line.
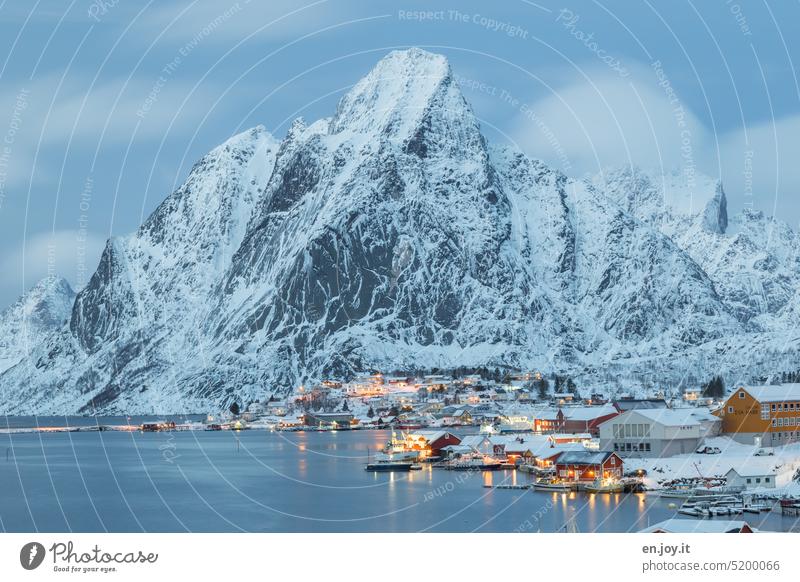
x=280 y=482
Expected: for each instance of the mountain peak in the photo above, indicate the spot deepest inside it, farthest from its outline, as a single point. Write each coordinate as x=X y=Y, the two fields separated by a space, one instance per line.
x=393 y=97
x=53 y=284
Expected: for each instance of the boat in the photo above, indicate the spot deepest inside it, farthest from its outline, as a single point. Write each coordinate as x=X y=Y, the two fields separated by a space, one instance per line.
x=389 y=466
x=551 y=485
x=604 y=487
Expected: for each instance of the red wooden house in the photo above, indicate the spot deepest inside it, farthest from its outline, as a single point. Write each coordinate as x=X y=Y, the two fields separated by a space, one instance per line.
x=435 y=441
x=587 y=466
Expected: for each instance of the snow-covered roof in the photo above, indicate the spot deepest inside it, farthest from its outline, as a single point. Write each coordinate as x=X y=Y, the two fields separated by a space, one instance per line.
x=570 y=435
x=548 y=450
x=677 y=525
x=748 y=470
x=588 y=412
x=583 y=457
x=473 y=440
x=431 y=435
x=776 y=393
x=676 y=416
x=624 y=404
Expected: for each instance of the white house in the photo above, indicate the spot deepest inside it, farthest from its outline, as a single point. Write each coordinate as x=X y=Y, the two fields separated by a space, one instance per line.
x=657 y=432
x=752 y=475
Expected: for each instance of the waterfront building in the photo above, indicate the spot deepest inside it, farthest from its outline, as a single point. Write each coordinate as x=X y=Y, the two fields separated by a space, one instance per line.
x=751 y=476
x=588 y=466
x=657 y=432
x=769 y=413
x=432 y=441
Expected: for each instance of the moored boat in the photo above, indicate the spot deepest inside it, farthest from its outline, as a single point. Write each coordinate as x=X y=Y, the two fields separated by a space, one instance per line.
x=389 y=466
x=551 y=485
x=604 y=487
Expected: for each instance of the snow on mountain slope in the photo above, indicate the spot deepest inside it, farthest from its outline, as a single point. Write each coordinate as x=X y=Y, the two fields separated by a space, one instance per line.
x=625 y=280
x=41 y=310
x=390 y=236
x=135 y=324
x=753 y=260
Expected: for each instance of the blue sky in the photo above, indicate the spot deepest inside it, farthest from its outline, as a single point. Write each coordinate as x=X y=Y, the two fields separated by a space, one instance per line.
x=105 y=104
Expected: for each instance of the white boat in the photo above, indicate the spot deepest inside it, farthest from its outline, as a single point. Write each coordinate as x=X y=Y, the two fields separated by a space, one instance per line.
x=605 y=486
x=551 y=485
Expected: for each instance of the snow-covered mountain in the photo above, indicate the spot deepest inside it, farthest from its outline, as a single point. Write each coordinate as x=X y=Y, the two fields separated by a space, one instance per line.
x=753 y=260
x=24 y=324
x=392 y=235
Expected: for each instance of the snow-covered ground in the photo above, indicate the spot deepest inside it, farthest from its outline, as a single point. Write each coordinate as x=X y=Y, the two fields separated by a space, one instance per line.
x=734 y=455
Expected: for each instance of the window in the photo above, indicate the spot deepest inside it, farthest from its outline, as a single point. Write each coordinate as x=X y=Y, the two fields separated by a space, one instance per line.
x=730 y=410
x=628 y=447
x=749 y=480
x=613 y=460
x=774 y=422
x=773 y=407
x=741 y=394
x=766 y=479
x=765 y=412
x=616 y=447
x=758 y=479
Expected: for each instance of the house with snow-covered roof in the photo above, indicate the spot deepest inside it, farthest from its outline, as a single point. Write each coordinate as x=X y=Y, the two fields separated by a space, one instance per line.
x=657 y=432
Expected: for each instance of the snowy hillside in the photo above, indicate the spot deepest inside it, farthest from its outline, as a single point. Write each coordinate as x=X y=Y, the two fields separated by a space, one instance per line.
x=392 y=235
x=23 y=325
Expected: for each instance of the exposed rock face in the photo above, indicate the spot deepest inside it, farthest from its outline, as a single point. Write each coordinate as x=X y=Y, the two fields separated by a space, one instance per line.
x=391 y=235
x=40 y=311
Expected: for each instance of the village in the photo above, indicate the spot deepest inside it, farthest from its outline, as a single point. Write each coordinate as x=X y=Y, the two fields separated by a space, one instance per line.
x=705 y=456
x=714 y=456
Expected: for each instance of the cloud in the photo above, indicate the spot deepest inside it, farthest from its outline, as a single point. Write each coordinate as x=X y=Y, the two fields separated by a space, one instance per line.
x=609 y=120
x=81 y=119
x=71 y=254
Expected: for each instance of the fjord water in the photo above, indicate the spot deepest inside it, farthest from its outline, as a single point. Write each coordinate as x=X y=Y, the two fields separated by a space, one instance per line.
x=277 y=482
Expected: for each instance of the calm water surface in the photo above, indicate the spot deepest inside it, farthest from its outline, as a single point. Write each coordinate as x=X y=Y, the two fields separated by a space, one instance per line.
x=278 y=482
